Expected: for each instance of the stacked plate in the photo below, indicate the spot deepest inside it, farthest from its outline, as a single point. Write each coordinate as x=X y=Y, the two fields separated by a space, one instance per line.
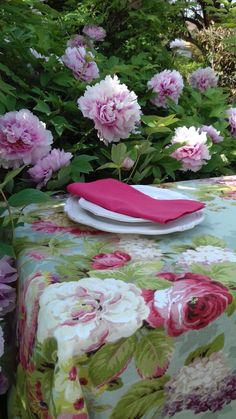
x=85 y=212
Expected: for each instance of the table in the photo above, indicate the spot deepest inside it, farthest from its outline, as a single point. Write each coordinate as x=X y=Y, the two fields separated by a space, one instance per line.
x=119 y=326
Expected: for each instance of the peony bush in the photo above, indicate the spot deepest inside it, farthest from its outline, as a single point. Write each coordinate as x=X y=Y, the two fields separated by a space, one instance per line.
x=78 y=106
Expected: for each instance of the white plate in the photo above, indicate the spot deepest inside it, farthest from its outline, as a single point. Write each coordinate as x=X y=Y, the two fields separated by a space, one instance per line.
x=76 y=213
x=156 y=193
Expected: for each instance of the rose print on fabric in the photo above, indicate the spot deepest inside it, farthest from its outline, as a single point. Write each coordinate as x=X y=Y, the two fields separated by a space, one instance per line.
x=191 y=303
x=110 y=260
x=85 y=314
x=51 y=228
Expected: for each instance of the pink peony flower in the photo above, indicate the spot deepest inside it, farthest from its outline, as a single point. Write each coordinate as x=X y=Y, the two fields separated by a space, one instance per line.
x=167 y=85
x=77 y=41
x=127 y=163
x=110 y=260
x=97 y=33
x=23 y=139
x=212 y=133
x=231 y=113
x=203 y=79
x=44 y=169
x=90 y=312
x=7 y=299
x=194 y=153
x=7 y=272
x=113 y=108
x=191 y=303
x=81 y=62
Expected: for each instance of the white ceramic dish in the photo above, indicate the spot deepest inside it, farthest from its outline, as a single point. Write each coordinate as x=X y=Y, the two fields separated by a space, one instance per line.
x=76 y=213
x=156 y=193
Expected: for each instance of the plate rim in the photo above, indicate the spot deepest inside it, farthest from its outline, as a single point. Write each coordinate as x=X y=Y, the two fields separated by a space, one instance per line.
x=199 y=217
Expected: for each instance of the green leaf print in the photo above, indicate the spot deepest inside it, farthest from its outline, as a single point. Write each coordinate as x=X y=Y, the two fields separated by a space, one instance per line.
x=153 y=283
x=45 y=354
x=73 y=267
x=208 y=240
x=232 y=307
x=153 y=352
x=101 y=407
x=94 y=248
x=222 y=272
x=206 y=350
x=132 y=272
x=141 y=398
x=110 y=360
x=18 y=400
x=47 y=386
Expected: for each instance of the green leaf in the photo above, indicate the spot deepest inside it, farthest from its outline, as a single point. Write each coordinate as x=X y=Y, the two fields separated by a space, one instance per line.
x=206 y=350
x=81 y=164
x=6 y=249
x=63 y=79
x=13 y=75
x=153 y=351
x=42 y=107
x=208 y=240
x=118 y=153
x=110 y=360
x=28 y=196
x=11 y=175
x=159 y=121
x=157 y=129
x=6 y=88
x=60 y=124
x=140 y=398
x=108 y=166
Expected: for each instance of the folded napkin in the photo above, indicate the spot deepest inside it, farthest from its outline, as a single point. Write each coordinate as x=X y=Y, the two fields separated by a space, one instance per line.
x=122 y=198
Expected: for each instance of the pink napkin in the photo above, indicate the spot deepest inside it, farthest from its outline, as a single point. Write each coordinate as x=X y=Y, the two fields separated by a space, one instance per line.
x=122 y=198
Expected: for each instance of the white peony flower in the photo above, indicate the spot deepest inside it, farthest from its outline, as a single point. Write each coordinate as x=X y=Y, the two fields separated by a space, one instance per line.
x=84 y=314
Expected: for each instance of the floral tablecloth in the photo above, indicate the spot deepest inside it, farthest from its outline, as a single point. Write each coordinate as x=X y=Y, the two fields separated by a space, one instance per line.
x=126 y=326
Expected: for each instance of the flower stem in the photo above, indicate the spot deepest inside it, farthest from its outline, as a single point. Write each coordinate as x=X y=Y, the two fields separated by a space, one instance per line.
x=9 y=212
x=134 y=168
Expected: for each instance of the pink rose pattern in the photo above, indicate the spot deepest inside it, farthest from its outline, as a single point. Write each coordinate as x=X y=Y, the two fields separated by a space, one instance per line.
x=110 y=260
x=191 y=303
